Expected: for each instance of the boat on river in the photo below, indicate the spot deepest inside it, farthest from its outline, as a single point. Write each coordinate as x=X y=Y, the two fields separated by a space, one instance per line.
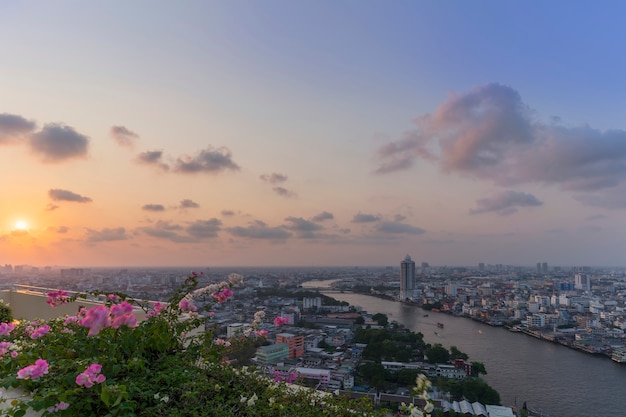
x=440 y=325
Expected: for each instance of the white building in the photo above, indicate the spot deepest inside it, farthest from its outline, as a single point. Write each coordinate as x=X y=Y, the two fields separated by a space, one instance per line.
x=407 y=278
x=582 y=282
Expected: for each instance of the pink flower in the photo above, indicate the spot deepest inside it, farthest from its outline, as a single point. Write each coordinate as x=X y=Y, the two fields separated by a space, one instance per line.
x=96 y=319
x=40 y=368
x=39 y=332
x=56 y=298
x=90 y=376
x=187 y=306
x=70 y=319
x=58 y=407
x=6 y=328
x=113 y=297
x=4 y=348
x=127 y=320
x=223 y=295
x=158 y=308
x=261 y=333
x=121 y=309
x=279 y=321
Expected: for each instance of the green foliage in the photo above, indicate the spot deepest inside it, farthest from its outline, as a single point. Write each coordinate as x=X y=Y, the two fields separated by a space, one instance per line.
x=478 y=368
x=383 y=344
x=472 y=389
x=437 y=354
x=455 y=353
x=6 y=315
x=381 y=319
x=374 y=374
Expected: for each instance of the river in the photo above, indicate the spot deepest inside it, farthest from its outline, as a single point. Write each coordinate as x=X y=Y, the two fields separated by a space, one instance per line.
x=559 y=381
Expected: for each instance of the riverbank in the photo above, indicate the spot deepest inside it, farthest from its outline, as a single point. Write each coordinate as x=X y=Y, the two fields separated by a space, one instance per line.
x=521 y=368
x=567 y=339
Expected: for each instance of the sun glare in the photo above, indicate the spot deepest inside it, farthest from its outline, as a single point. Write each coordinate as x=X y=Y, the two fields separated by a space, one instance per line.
x=21 y=225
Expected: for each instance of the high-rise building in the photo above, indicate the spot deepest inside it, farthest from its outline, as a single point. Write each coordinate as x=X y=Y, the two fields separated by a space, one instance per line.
x=544 y=267
x=582 y=282
x=539 y=267
x=407 y=278
x=481 y=266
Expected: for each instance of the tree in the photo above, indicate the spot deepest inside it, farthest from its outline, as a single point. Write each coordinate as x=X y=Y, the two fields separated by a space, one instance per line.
x=6 y=315
x=359 y=320
x=478 y=368
x=438 y=354
x=455 y=353
x=375 y=374
x=381 y=319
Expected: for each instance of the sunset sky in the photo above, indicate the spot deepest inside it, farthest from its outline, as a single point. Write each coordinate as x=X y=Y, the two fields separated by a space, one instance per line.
x=312 y=133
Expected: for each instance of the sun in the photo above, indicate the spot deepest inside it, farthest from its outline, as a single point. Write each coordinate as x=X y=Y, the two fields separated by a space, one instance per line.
x=21 y=225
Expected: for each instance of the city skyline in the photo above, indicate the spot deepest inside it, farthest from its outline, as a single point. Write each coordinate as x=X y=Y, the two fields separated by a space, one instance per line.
x=312 y=134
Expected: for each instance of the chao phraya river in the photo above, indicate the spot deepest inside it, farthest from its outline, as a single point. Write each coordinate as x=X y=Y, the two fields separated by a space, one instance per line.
x=559 y=381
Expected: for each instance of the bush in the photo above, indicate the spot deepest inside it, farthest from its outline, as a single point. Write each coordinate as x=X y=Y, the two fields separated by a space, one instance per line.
x=6 y=315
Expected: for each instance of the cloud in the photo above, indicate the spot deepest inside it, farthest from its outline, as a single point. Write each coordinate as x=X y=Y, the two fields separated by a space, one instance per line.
x=65 y=195
x=325 y=215
x=303 y=228
x=596 y=217
x=51 y=207
x=284 y=192
x=186 y=203
x=490 y=133
x=62 y=229
x=365 y=218
x=123 y=136
x=57 y=143
x=106 y=235
x=228 y=213
x=210 y=160
x=153 y=158
x=273 y=178
x=153 y=207
x=260 y=230
x=399 y=228
x=399 y=217
x=203 y=229
x=168 y=231
x=13 y=126
x=505 y=203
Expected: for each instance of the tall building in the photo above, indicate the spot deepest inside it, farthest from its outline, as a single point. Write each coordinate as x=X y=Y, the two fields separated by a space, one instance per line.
x=582 y=282
x=407 y=278
x=544 y=267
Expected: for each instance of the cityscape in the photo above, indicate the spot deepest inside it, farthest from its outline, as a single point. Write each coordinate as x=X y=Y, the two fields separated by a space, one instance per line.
x=424 y=200
x=581 y=308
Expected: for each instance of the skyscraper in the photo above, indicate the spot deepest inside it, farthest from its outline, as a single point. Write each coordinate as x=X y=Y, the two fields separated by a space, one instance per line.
x=407 y=278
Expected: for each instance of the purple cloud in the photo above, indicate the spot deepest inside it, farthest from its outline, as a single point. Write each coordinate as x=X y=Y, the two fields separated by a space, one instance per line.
x=123 y=136
x=490 y=133
x=399 y=228
x=284 y=192
x=260 y=230
x=65 y=195
x=365 y=218
x=153 y=158
x=153 y=207
x=57 y=143
x=13 y=126
x=505 y=203
x=325 y=215
x=186 y=204
x=210 y=161
x=273 y=178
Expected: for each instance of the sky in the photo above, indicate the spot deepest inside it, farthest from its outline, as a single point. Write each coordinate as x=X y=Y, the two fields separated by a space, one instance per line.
x=312 y=133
